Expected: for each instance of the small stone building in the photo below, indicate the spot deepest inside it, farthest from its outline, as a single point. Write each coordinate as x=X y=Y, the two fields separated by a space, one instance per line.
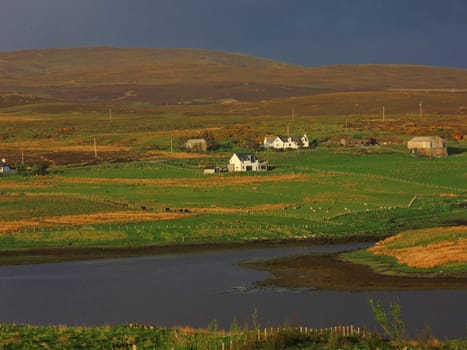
x=212 y=169
x=431 y=146
x=196 y=145
x=350 y=142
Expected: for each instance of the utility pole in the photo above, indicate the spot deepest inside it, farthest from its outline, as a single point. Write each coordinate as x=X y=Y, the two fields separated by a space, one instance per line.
x=171 y=144
x=110 y=115
x=383 y=113
x=421 y=109
x=22 y=157
x=293 y=114
x=95 y=148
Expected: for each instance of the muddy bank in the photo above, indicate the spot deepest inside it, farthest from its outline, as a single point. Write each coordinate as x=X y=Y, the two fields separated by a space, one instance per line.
x=77 y=253
x=327 y=272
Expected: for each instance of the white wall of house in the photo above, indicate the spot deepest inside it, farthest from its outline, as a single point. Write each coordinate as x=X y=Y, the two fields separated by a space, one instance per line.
x=252 y=164
x=268 y=142
x=290 y=143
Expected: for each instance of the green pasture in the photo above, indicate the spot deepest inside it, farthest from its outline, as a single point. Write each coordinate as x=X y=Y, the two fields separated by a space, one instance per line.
x=338 y=192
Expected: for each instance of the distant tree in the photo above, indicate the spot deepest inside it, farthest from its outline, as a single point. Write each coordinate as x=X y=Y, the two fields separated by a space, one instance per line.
x=240 y=136
x=181 y=142
x=211 y=142
x=250 y=140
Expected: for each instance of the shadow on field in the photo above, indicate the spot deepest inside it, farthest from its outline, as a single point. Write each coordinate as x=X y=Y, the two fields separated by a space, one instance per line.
x=456 y=150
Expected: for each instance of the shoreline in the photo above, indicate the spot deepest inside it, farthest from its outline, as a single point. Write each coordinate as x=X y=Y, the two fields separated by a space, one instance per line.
x=59 y=254
x=314 y=271
x=329 y=272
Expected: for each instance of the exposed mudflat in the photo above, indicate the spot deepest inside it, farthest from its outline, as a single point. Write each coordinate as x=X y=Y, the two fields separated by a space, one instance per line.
x=77 y=253
x=327 y=272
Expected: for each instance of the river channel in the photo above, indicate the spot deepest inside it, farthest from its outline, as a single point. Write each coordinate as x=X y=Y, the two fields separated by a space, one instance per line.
x=195 y=288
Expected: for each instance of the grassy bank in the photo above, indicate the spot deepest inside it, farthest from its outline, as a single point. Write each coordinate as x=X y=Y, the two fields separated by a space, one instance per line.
x=148 y=337
x=438 y=251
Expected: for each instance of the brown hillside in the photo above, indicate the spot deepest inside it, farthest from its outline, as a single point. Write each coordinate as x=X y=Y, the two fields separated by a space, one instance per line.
x=160 y=76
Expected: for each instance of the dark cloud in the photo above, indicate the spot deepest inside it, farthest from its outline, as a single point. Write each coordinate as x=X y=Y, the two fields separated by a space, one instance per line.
x=308 y=32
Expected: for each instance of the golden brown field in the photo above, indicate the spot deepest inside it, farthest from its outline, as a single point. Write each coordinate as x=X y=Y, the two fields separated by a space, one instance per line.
x=426 y=248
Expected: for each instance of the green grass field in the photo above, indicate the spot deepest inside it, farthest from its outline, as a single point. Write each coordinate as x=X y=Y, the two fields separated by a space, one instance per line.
x=329 y=193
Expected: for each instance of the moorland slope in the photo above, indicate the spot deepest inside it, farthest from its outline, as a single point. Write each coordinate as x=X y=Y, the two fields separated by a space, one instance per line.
x=169 y=76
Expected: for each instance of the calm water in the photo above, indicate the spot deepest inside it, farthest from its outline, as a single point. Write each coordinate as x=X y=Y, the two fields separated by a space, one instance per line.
x=193 y=289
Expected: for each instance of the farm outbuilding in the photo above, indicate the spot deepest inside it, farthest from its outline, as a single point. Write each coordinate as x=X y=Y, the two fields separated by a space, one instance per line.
x=5 y=168
x=213 y=169
x=350 y=142
x=196 y=145
x=431 y=146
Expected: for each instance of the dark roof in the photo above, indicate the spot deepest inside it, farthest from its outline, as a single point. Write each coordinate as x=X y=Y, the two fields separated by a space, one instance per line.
x=286 y=138
x=246 y=157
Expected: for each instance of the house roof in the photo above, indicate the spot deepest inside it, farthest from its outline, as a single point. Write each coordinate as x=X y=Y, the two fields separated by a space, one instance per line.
x=196 y=140
x=286 y=138
x=425 y=138
x=246 y=156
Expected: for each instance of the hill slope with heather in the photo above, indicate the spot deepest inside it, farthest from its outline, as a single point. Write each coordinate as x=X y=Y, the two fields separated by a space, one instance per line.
x=170 y=76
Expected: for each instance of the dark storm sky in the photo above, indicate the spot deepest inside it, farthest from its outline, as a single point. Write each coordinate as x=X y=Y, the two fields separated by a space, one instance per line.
x=307 y=32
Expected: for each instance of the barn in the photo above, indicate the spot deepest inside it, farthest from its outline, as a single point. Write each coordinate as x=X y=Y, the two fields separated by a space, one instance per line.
x=431 y=146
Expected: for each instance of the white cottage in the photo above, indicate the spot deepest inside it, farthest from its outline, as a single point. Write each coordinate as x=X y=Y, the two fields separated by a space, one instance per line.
x=286 y=142
x=246 y=162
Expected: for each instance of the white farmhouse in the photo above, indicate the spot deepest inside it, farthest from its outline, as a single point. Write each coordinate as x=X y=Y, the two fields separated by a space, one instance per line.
x=287 y=142
x=246 y=162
